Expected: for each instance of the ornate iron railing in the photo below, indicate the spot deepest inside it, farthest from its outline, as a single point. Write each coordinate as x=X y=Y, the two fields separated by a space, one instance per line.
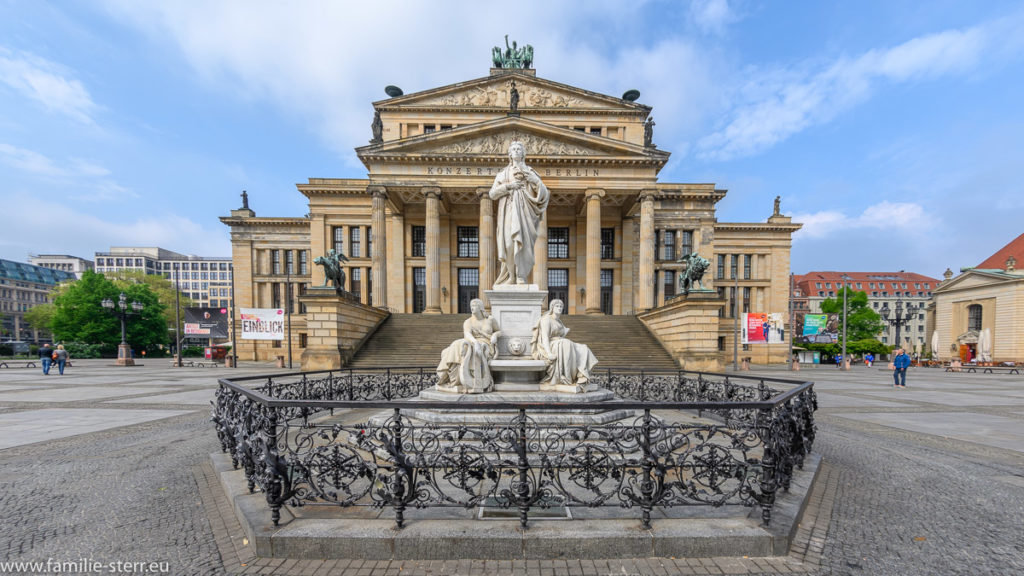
x=285 y=432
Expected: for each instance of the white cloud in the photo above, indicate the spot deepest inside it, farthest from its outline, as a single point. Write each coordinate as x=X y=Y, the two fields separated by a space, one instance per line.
x=712 y=16
x=899 y=217
x=88 y=179
x=326 y=62
x=46 y=83
x=65 y=229
x=778 y=104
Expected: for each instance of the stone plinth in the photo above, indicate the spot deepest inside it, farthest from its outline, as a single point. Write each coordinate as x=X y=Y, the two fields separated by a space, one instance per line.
x=688 y=328
x=337 y=326
x=516 y=308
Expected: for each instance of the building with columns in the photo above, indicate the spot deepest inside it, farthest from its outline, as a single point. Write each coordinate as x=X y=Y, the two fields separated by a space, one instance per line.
x=419 y=231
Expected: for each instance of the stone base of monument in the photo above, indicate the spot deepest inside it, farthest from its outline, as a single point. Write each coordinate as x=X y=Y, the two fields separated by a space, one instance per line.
x=367 y=533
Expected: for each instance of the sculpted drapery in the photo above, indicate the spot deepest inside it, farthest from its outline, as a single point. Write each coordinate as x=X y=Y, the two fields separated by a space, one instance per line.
x=465 y=364
x=568 y=363
x=522 y=199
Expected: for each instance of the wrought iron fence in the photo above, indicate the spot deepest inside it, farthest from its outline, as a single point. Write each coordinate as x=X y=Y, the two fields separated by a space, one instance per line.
x=286 y=433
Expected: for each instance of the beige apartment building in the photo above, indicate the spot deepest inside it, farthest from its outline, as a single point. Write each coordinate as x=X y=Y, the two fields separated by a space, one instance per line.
x=419 y=232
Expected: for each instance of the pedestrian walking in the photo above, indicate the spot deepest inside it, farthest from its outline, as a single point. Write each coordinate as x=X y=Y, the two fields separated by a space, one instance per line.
x=46 y=357
x=899 y=368
x=60 y=356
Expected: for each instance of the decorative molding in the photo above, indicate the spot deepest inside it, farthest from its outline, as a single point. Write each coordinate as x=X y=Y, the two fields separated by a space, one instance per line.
x=497 y=144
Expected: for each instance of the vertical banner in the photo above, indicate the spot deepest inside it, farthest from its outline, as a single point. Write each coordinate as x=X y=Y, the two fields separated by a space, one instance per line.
x=262 y=323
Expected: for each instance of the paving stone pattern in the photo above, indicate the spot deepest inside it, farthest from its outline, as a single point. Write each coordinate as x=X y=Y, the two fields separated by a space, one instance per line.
x=891 y=498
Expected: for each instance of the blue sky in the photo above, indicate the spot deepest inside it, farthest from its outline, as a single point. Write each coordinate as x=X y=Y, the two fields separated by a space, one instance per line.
x=893 y=130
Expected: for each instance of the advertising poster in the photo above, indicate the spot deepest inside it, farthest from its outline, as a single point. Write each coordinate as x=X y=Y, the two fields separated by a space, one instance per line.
x=206 y=322
x=763 y=328
x=262 y=323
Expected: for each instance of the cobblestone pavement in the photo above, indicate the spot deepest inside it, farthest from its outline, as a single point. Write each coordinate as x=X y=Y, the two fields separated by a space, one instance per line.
x=927 y=480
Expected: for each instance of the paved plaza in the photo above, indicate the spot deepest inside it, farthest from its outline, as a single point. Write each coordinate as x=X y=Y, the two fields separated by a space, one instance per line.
x=111 y=464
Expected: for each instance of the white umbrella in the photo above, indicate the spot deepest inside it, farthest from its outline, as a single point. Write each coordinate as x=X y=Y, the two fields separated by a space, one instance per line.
x=935 y=344
x=984 y=346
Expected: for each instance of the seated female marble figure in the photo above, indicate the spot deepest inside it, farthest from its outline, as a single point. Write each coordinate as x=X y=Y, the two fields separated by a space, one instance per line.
x=465 y=364
x=568 y=363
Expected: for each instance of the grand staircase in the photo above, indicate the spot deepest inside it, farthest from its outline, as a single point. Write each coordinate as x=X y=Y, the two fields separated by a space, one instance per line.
x=417 y=340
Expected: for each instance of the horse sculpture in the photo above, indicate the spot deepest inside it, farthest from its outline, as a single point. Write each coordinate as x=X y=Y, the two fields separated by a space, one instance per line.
x=333 y=272
x=695 y=268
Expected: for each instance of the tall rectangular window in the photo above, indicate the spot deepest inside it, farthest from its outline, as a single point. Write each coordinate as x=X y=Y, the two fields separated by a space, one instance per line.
x=746 y=266
x=469 y=242
x=275 y=258
x=686 y=245
x=354 y=242
x=667 y=244
x=356 y=287
x=339 y=239
x=720 y=267
x=419 y=241
x=607 y=243
x=734 y=260
x=558 y=243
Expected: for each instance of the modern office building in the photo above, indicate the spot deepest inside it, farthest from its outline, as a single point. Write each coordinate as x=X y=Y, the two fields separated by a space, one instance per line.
x=22 y=287
x=204 y=279
x=64 y=262
x=419 y=231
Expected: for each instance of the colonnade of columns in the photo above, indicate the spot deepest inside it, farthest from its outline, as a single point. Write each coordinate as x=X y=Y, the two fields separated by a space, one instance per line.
x=487 y=249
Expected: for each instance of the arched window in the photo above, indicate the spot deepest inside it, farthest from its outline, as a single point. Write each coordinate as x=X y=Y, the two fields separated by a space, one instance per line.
x=974 y=317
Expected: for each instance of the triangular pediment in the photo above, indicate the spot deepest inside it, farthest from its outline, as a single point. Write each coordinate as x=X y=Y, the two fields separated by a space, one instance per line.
x=494 y=92
x=976 y=279
x=491 y=139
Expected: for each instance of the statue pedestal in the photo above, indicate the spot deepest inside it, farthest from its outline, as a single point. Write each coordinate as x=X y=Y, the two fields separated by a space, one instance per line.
x=688 y=328
x=517 y=308
x=336 y=326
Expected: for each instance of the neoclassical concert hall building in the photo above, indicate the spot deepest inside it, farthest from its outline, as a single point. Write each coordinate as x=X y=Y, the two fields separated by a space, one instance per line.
x=419 y=231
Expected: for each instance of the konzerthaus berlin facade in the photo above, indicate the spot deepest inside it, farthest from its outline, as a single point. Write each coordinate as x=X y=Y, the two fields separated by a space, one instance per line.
x=419 y=232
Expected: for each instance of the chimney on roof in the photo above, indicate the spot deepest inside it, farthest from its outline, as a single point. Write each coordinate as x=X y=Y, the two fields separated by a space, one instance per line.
x=1011 y=264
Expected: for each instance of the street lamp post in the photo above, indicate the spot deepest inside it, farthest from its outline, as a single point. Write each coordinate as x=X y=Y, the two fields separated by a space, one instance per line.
x=901 y=317
x=845 y=280
x=121 y=307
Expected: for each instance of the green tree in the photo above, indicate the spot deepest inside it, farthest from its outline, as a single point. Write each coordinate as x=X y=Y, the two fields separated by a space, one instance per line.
x=862 y=323
x=162 y=287
x=41 y=317
x=79 y=314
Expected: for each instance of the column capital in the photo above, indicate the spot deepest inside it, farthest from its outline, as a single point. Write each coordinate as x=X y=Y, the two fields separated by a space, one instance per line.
x=377 y=191
x=429 y=191
x=592 y=192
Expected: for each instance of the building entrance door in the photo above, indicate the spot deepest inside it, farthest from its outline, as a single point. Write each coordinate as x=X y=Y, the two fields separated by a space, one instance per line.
x=419 y=290
x=469 y=288
x=558 y=286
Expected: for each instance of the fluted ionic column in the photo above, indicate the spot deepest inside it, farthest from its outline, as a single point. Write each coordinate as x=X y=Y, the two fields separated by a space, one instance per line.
x=433 y=196
x=594 y=251
x=540 y=254
x=487 y=247
x=379 y=256
x=646 y=284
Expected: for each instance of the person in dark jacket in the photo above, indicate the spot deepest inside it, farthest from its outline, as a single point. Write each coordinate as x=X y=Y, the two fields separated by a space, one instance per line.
x=46 y=357
x=899 y=368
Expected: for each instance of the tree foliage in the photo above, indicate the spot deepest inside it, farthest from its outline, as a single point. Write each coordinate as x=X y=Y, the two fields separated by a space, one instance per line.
x=79 y=315
x=862 y=323
x=41 y=317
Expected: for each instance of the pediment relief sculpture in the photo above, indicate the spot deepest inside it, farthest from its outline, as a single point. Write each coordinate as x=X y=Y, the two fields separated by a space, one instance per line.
x=497 y=144
x=498 y=95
